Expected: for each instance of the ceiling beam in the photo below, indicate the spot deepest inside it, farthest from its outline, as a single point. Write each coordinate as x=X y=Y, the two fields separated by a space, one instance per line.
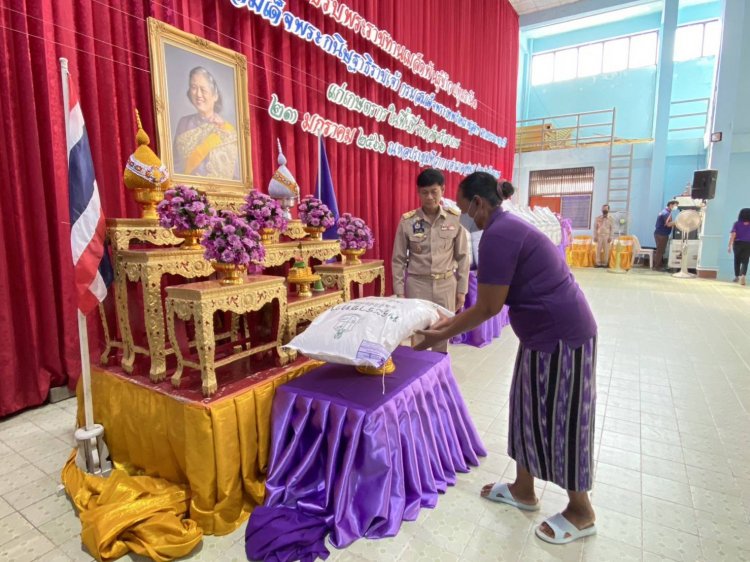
x=575 y=10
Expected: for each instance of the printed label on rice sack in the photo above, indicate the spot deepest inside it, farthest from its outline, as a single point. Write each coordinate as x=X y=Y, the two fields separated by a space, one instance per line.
x=371 y=352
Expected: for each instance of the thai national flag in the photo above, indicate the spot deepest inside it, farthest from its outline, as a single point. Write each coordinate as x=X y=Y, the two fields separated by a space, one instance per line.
x=93 y=270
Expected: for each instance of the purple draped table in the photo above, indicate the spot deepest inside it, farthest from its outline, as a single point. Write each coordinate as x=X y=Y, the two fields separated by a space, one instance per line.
x=486 y=331
x=349 y=460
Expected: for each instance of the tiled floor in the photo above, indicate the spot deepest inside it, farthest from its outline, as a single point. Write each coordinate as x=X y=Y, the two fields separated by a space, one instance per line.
x=673 y=445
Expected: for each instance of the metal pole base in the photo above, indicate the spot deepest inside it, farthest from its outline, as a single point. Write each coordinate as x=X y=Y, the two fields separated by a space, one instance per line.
x=683 y=275
x=93 y=455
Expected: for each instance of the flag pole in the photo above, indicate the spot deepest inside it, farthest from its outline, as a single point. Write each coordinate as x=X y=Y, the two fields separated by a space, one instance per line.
x=320 y=168
x=83 y=336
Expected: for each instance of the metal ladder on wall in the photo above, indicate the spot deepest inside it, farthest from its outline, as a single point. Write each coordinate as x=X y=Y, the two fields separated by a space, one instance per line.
x=619 y=180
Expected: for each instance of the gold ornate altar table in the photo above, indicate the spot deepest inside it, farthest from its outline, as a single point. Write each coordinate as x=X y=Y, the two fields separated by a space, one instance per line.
x=199 y=301
x=147 y=267
x=283 y=252
x=342 y=275
x=120 y=233
x=306 y=309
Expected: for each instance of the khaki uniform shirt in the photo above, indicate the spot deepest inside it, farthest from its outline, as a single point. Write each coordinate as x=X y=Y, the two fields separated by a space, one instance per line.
x=604 y=228
x=422 y=248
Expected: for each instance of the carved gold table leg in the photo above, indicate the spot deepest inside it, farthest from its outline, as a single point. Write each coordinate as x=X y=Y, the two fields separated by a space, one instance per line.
x=234 y=333
x=346 y=286
x=381 y=277
x=123 y=318
x=287 y=356
x=177 y=376
x=154 y=317
x=104 y=359
x=204 y=339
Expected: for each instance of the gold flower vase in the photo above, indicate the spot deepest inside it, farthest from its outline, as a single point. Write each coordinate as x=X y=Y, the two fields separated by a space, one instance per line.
x=231 y=273
x=147 y=200
x=386 y=369
x=191 y=237
x=315 y=232
x=352 y=256
x=267 y=235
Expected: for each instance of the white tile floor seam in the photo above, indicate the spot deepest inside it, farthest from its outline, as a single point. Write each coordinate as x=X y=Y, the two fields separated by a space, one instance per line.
x=672 y=450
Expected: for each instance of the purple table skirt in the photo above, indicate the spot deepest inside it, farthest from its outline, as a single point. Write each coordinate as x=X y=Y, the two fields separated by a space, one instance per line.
x=487 y=331
x=349 y=460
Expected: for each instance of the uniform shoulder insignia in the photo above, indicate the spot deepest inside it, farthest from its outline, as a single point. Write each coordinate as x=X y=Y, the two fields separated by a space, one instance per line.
x=409 y=215
x=453 y=211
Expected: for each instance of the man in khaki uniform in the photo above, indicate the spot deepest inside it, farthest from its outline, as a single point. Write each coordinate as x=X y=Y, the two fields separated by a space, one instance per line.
x=604 y=230
x=431 y=255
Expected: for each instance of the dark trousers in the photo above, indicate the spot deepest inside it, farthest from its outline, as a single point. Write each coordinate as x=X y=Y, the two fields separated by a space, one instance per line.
x=661 y=245
x=741 y=257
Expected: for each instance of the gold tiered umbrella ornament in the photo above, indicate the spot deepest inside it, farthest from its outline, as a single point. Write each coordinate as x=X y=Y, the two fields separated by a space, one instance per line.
x=283 y=187
x=145 y=175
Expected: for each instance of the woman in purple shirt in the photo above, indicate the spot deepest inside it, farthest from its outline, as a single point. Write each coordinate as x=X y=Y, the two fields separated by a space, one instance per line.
x=553 y=393
x=739 y=242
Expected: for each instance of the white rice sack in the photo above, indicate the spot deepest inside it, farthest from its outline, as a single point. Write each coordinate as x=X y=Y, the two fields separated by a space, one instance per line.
x=364 y=332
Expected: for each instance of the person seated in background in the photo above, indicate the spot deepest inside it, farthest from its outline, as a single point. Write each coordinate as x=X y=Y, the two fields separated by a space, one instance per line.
x=662 y=232
x=604 y=229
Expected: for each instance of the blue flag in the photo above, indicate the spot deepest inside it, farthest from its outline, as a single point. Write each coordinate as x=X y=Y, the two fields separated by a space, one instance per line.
x=324 y=188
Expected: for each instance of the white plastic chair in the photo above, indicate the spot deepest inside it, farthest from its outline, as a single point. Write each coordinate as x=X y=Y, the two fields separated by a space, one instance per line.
x=645 y=252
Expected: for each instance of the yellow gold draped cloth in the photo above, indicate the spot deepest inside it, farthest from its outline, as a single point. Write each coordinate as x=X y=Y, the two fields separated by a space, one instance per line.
x=139 y=513
x=216 y=452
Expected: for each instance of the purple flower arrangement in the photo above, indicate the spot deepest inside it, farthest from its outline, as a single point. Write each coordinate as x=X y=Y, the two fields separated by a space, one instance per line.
x=263 y=211
x=183 y=208
x=354 y=234
x=230 y=239
x=312 y=212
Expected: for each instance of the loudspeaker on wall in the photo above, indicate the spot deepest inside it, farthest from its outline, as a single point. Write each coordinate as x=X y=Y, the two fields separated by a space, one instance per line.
x=704 y=184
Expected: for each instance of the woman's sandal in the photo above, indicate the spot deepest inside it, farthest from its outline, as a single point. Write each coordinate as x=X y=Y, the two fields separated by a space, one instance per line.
x=564 y=531
x=501 y=493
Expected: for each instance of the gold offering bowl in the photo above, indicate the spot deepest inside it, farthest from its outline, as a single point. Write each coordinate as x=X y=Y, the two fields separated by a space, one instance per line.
x=191 y=237
x=315 y=232
x=352 y=256
x=304 y=284
x=147 y=200
x=267 y=235
x=232 y=273
x=386 y=369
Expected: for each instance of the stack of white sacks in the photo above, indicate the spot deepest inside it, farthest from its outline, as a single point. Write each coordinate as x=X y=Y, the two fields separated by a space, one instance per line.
x=541 y=217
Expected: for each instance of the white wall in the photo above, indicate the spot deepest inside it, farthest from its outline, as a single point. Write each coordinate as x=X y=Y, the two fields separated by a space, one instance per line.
x=641 y=219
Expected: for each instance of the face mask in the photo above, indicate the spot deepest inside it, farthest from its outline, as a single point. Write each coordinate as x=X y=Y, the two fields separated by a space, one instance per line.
x=605 y=213
x=468 y=223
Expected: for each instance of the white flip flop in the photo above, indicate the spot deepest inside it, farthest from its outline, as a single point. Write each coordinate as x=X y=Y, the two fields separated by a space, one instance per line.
x=501 y=493
x=565 y=531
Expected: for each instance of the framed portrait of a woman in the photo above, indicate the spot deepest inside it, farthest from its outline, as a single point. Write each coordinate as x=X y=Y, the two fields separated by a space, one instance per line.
x=202 y=117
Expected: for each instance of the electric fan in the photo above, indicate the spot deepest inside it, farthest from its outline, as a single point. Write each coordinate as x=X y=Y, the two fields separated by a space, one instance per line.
x=620 y=220
x=687 y=221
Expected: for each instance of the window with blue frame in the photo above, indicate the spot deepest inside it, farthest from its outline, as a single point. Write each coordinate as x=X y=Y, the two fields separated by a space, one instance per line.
x=692 y=41
x=697 y=40
x=590 y=59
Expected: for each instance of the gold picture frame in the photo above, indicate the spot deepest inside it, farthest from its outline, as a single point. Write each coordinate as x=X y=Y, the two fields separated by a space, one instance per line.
x=202 y=115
